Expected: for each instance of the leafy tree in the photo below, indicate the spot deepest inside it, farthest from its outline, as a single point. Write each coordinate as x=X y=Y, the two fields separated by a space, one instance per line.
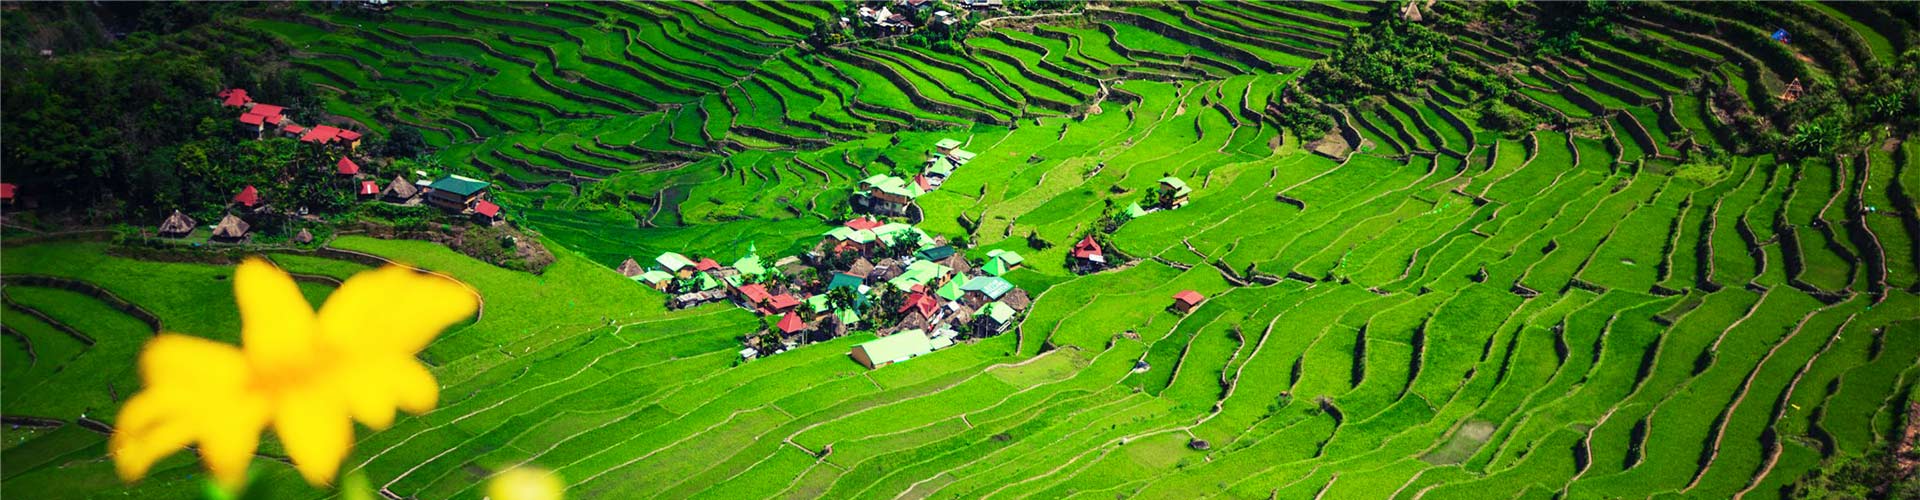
x=404 y=141
x=1385 y=57
x=843 y=299
x=1563 y=24
x=888 y=303
x=905 y=244
x=1875 y=476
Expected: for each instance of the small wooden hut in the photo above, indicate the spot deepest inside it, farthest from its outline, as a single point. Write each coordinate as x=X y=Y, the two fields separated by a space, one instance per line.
x=631 y=268
x=230 y=229
x=399 y=190
x=178 y=225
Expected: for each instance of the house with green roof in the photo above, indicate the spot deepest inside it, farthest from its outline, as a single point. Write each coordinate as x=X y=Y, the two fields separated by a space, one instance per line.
x=847 y=317
x=951 y=290
x=984 y=289
x=1012 y=258
x=940 y=166
x=892 y=349
x=844 y=233
x=750 y=265
x=887 y=194
x=992 y=318
x=995 y=267
x=1134 y=211
x=842 y=239
x=1001 y=261
x=935 y=253
x=675 y=263
x=1174 y=191
x=844 y=280
x=946 y=144
x=921 y=272
x=655 y=278
x=705 y=281
x=456 y=192
x=960 y=156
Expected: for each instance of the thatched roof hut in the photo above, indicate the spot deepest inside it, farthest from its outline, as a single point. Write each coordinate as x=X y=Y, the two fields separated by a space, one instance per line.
x=303 y=237
x=861 y=267
x=631 y=268
x=1017 y=299
x=959 y=263
x=177 y=225
x=886 y=269
x=231 y=228
x=400 y=190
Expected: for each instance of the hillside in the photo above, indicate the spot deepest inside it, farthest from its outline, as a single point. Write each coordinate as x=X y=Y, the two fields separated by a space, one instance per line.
x=1441 y=250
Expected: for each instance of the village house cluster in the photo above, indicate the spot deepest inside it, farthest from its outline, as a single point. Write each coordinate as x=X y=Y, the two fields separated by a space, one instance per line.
x=888 y=195
x=892 y=16
x=453 y=193
x=916 y=291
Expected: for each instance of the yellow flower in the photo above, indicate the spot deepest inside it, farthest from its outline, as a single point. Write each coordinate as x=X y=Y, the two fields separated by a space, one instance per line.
x=309 y=375
x=525 y=483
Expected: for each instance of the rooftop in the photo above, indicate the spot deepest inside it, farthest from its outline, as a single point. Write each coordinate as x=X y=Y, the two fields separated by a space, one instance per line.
x=1178 y=186
x=991 y=286
x=673 y=261
x=459 y=185
x=898 y=347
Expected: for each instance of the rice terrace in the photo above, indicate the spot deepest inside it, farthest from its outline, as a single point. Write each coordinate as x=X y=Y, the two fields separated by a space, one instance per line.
x=902 y=249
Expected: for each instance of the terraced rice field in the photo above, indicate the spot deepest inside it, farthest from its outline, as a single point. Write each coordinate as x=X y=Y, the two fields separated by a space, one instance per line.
x=1447 y=313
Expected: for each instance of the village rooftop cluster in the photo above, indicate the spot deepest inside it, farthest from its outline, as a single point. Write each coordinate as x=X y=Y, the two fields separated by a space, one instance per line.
x=917 y=291
x=891 y=15
x=453 y=193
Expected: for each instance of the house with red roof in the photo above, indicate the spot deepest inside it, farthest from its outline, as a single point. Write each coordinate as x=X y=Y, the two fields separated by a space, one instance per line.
x=7 y=192
x=925 y=303
x=368 y=189
x=248 y=197
x=484 y=212
x=320 y=134
x=706 y=264
x=1087 y=255
x=328 y=135
x=259 y=116
x=790 y=323
x=1185 y=301
x=863 y=223
x=781 y=303
x=234 y=98
x=753 y=295
x=346 y=167
x=253 y=124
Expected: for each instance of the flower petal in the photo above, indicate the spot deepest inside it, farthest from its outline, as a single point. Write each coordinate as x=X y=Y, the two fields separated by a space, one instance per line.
x=276 y=322
x=229 y=438
x=373 y=386
x=314 y=427
x=526 y=483
x=393 y=309
x=196 y=391
x=147 y=433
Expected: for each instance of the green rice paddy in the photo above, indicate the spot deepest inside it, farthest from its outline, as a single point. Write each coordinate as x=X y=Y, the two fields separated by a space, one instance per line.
x=1449 y=313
